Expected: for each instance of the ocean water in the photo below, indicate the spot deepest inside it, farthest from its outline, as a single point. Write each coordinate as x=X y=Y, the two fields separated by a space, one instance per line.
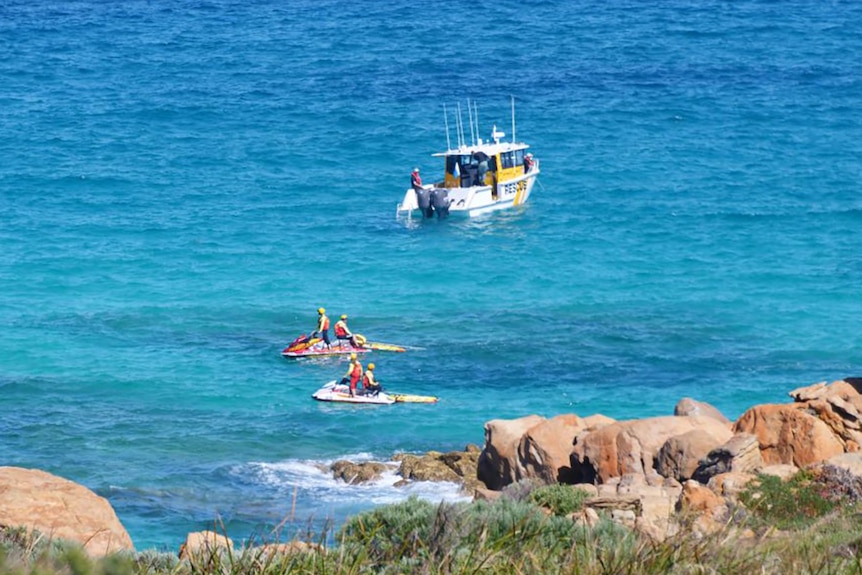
x=183 y=184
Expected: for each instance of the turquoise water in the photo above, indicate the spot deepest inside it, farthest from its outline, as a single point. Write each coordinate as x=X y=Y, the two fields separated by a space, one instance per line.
x=183 y=184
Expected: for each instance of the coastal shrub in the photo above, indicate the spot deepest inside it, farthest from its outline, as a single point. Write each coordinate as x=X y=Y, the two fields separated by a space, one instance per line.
x=153 y=561
x=515 y=522
x=559 y=499
x=792 y=504
x=839 y=484
x=451 y=534
x=391 y=530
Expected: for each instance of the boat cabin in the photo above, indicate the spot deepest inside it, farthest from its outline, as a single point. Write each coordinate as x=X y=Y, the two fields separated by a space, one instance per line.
x=483 y=165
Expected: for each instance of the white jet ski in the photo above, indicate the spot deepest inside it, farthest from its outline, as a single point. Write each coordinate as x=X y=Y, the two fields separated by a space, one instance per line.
x=341 y=393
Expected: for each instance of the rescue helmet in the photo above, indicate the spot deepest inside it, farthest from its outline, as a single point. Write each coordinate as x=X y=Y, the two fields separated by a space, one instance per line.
x=321 y=310
x=344 y=316
x=415 y=170
x=353 y=356
x=370 y=367
x=529 y=155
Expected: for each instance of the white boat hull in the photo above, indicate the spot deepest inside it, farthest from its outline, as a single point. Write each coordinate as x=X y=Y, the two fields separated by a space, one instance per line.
x=341 y=394
x=476 y=200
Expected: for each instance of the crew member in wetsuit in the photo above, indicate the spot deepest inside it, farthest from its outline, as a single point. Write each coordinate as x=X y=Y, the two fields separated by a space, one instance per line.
x=343 y=334
x=528 y=163
x=415 y=180
x=322 y=326
x=369 y=384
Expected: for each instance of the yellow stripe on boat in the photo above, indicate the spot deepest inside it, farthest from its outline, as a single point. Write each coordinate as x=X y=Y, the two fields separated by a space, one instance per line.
x=408 y=398
x=383 y=346
x=522 y=185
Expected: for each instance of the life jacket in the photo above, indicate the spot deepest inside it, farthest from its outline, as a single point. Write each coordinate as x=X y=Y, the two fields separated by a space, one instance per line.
x=325 y=322
x=340 y=328
x=416 y=180
x=368 y=379
x=356 y=374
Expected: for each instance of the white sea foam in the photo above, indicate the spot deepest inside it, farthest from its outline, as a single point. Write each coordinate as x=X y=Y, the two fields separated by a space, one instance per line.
x=315 y=486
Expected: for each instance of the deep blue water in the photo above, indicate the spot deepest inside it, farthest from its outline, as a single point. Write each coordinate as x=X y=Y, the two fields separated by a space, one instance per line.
x=182 y=184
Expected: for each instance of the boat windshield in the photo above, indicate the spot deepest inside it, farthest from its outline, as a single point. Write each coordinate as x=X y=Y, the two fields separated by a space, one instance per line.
x=463 y=161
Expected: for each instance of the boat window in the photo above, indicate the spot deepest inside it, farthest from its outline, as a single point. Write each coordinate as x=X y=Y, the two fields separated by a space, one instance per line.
x=519 y=157
x=507 y=159
x=451 y=162
x=462 y=161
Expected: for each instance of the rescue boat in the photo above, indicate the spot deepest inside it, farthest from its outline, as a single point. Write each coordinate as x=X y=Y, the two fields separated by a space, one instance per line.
x=480 y=177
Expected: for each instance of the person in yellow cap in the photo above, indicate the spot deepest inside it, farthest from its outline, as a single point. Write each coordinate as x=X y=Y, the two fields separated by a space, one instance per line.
x=370 y=385
x=322 y=326
x=353 y=375
x=343 y=333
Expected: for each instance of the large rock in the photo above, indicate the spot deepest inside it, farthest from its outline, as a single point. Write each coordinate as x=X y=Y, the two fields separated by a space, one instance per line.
x=741 y=454
x=680 y=455
x=545 y=449
x=838 y=405
x=454 y=466
x=730 y=484
x=60 y=509
x=498 y=462
x=630 y=446
x=463 y=463
x=427 y=467
x=634 y=503
x=689 y=406
x=706 y=509
x=787 y=433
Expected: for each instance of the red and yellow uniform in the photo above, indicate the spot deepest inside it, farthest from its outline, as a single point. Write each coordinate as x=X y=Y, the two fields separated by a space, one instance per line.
x=323 y=325
x=368 y=382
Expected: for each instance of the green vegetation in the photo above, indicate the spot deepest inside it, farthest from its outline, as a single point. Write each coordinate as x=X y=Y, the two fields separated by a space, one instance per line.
x=559 y=499
x=808 y=525
x=801 y=501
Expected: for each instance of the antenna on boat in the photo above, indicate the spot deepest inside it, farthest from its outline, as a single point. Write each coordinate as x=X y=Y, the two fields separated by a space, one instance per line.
x=470 y=119
x=476 y=119
x=461 y=137
x=446 y=123
x=513 y=119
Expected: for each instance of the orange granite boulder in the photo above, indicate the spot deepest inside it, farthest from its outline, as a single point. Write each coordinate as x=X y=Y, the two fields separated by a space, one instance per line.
x=60 y=509
x=789 y=434
x=628 y=447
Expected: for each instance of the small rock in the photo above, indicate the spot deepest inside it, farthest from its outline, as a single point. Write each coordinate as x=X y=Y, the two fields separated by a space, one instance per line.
x=356 y=473
x=203 y=544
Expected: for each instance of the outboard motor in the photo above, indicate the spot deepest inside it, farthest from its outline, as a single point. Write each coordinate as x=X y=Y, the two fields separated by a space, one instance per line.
x=440 y=200
x=423 y=198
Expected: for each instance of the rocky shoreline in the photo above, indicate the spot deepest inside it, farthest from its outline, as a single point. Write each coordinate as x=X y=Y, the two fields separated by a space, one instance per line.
x=643 y=473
